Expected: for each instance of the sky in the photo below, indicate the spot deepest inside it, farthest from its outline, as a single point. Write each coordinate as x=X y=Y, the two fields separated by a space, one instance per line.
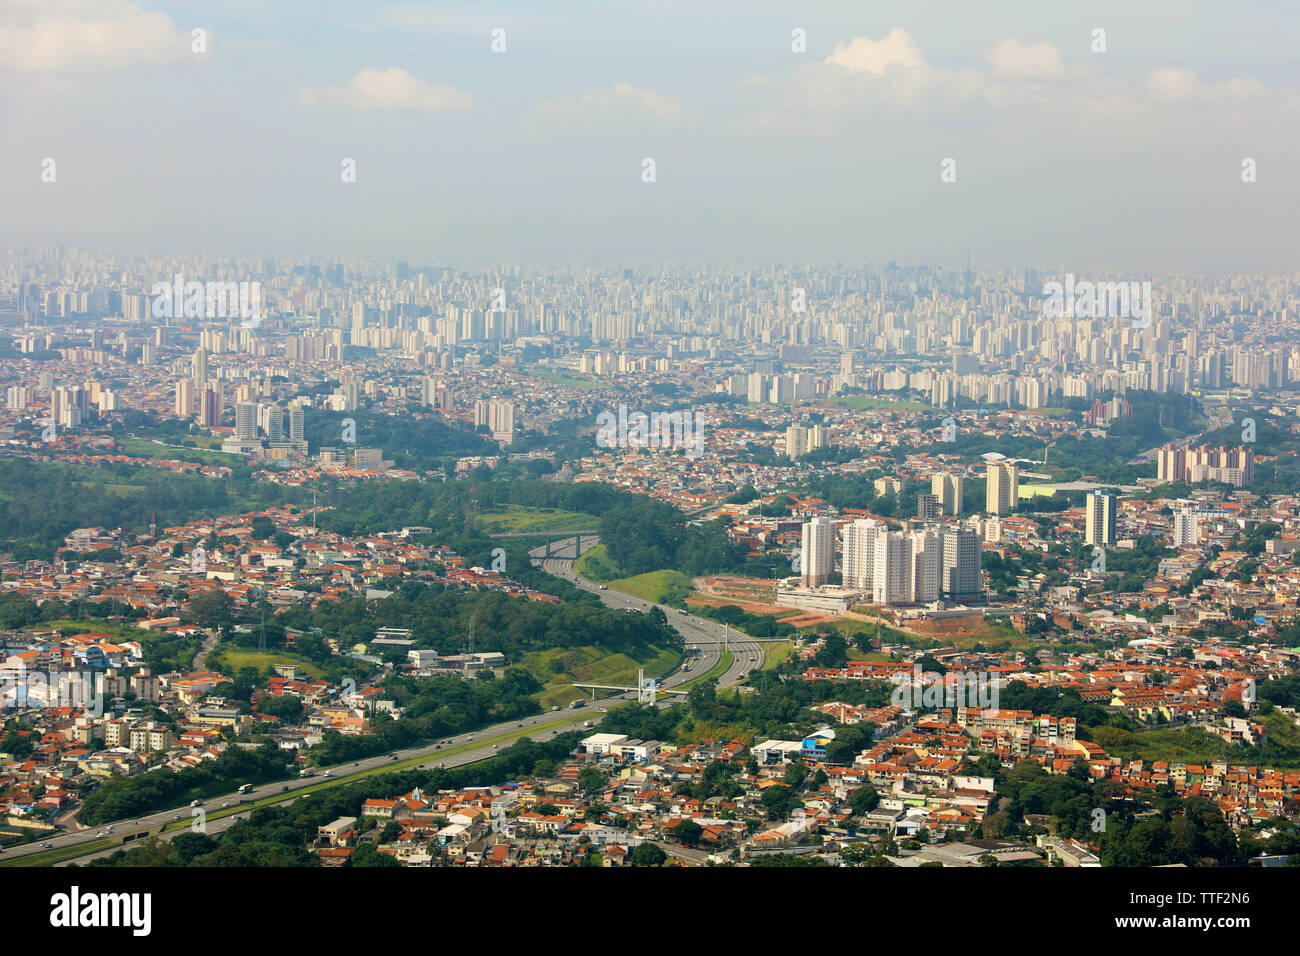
x=766 y=150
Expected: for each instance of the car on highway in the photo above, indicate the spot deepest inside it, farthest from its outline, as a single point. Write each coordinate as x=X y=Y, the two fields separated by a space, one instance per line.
x=284 y=789
x=494 y=746
x=470 y=737
x=196 y=803
x=328 y=773
x=48 y=846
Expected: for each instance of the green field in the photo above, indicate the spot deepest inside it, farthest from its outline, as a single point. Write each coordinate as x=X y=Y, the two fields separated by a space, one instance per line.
x=864 y=403
x=658 y=587
x=591 y=664
x=516 y=519
x=774 y=654
x=231 y=660
x=141 y=448
x=557 y=378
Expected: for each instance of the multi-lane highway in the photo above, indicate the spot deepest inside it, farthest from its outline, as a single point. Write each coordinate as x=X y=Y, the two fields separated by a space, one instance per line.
x=221 y=812
x=709 y=636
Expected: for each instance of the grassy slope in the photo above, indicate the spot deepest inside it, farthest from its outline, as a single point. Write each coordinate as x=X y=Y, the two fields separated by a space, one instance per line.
x=515 y=519
x=591 y=664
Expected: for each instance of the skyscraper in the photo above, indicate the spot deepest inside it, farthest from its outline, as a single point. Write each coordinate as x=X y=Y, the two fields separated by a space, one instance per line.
x=246 y=421
x=184 y=406
x=1003 y=490
x=199 y=368
x=817 y=552
x=1099 y=526
x=210 y=416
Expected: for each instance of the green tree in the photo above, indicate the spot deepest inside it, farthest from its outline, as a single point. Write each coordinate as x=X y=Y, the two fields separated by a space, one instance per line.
x=647 y=854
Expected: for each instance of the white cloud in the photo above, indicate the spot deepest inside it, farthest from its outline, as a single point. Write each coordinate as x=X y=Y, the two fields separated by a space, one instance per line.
x=85 y=36
x=391 y=89
x=1173 y=83
x=1011 y=58
x=865 y=55
x=1243 y=86
x=619 y=95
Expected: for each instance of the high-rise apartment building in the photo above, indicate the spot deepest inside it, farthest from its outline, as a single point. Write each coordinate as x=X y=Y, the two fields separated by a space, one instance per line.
x=858 y=553
x=948 y=489
x=1003 y=488
x=184 y=406
x=1232 y=466
x=199 y=368
x=1099 y=523
x=960 y=571
x=498 y=416
x=803 y=439
x=892 y=575
x=1187 y=528
x=213 y=399
x=927 y=559
x=817 y=552
x=246 y=421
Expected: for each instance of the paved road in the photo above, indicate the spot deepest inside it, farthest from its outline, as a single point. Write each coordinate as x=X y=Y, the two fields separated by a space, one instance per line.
x=747 y=656
x=205 y=648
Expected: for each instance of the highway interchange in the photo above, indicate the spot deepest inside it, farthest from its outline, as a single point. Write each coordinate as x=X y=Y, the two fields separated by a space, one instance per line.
x=220 y=812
